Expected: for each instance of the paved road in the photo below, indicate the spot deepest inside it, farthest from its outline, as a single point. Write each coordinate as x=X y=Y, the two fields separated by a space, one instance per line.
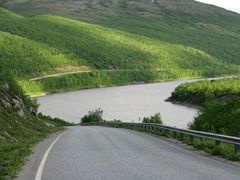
x=99 y=153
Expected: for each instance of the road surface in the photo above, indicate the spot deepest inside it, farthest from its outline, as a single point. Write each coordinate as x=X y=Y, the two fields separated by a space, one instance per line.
x=101 y=153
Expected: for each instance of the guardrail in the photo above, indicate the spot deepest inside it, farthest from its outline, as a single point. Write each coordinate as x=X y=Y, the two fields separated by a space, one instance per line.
x=182 y=133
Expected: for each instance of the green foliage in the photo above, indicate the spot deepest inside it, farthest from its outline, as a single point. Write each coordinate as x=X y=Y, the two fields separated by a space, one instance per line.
x=123 y=3
x=54 y=121
x=17 y=132
x=178 y=47
x=219 y=117
x=224 y=149
x=153 y=119
x=17 y=135
x=219 y=101
x=93 y=80
x=200 y=91
x=93 y=116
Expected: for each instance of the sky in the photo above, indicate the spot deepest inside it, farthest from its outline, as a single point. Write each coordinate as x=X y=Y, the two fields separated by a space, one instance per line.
x=233 y=5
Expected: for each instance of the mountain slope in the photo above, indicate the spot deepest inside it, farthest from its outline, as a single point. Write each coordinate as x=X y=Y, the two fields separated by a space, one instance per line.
x=183 y=22
x=167 y=39
x=20 y=126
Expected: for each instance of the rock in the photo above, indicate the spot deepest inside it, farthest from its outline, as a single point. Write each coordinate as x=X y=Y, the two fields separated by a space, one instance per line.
x=33 y=110
x=18 y=98
x=21 y=112
x=5 y=87
x=2 y=138
x=17 y=103
x=5 y=104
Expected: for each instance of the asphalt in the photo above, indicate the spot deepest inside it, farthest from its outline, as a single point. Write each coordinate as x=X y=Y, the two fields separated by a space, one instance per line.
x=31 y=166
x=101 y=153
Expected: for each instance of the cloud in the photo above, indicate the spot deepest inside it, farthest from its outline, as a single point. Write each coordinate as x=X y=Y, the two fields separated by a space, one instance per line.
x=233 y=5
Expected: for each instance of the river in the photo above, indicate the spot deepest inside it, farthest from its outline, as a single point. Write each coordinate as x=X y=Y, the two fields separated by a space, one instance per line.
x=127 y=103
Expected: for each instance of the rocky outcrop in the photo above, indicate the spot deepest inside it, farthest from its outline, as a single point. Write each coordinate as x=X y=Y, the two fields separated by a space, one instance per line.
x=11 y=101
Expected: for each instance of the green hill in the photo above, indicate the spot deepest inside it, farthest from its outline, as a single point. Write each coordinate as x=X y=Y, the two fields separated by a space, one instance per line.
x=201 y=91
x=20 y=126
x=115 y=42
x=219 y=101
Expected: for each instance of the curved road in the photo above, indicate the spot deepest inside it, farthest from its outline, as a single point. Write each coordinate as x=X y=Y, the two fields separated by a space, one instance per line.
x=101 y=153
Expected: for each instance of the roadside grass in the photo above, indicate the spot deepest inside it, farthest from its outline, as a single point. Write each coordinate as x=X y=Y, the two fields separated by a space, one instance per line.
x=18 y=135
x=224 y=150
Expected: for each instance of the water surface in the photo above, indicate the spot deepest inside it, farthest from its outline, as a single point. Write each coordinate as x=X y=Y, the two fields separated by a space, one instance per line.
x=127 y=103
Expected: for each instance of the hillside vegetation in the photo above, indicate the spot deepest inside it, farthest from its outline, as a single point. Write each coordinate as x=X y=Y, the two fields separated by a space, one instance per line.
x=133 y=40
x=201 y=91
x=20 y=127
x=219 y=101
x=219 y=117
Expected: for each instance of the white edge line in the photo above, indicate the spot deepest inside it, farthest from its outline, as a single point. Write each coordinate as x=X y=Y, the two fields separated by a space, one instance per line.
x=44 y=159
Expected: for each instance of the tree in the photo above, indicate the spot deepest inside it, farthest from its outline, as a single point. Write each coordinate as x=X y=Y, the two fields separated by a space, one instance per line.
x=93 y=116
x=153 y=119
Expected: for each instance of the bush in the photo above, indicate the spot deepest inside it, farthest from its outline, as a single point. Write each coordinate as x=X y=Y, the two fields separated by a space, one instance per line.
x=219 y=117
x=93 y=116
x=153 y=119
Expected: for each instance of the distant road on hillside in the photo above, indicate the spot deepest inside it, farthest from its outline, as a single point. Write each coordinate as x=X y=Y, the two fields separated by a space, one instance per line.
x=76 y=72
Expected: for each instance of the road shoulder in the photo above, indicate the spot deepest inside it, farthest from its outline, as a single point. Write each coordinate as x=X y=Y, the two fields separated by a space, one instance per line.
x=32 y=162
x=191 y=149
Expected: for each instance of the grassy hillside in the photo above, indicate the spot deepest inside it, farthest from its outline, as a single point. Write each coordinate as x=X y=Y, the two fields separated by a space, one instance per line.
x=167 y=39
x=219 y=101
x=20 y=127
x=201 y=91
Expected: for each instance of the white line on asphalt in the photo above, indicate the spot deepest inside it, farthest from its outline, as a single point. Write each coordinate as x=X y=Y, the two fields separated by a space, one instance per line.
x=44 y=159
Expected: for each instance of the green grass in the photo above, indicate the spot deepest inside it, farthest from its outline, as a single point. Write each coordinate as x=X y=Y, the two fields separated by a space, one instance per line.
x=219 y=101
x=17 y=135
x=179 y=45
x=96 y=79
x=201 y=91
x=18 y=131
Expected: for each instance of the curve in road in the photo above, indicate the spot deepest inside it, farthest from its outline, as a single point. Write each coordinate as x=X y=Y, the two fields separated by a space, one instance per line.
x=100 y=153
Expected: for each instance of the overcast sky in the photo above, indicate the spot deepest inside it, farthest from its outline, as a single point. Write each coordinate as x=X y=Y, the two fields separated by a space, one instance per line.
x=233 y=5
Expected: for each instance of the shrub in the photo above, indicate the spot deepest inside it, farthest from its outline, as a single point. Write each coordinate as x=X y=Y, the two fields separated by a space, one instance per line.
x=153 y=119
x=93 y=116
x=219 y=117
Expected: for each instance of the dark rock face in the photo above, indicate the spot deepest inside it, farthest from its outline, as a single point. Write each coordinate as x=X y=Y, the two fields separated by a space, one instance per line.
x=8 y=101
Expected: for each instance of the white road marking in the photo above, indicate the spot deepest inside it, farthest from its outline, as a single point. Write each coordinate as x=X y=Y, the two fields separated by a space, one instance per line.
x=44 y=159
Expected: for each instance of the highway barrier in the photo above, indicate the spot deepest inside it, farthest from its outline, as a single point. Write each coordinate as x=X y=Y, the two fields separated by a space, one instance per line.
x=182 y=134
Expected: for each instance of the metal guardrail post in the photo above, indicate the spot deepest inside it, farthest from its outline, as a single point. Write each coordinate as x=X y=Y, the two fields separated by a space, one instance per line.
x=191 y=138
x=174 y=134
x=236 y=148
x=166 y=132
x=218 y=143
x=181 y=138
